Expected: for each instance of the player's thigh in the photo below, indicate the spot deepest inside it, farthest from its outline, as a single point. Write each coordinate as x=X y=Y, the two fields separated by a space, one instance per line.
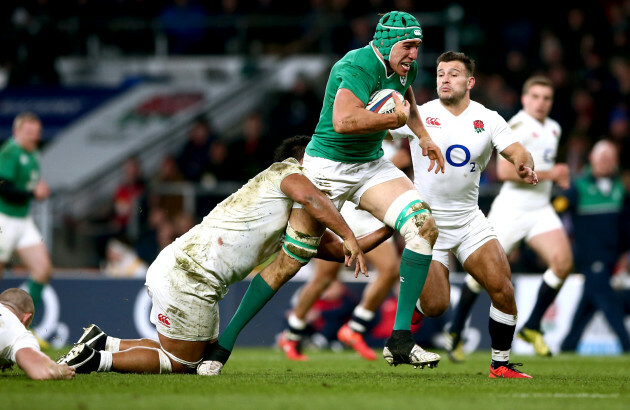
x=325 y=271
x=303 y=223
x=551 y=243
x=489 y=266
x=384 y=258
x=183 y=308
x=379 y=198
x=12 y=230
x=37 y=260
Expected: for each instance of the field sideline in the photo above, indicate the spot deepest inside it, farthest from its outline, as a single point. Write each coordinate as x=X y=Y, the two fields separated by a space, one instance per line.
x=263 y=379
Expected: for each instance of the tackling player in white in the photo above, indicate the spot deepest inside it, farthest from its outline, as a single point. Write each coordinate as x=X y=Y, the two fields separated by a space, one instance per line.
x=467 y=132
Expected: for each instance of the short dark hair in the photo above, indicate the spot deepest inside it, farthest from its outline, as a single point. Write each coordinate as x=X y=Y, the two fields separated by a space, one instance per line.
x=537 y=80
x=18 y=299
x=448 y=56
x=292 y=147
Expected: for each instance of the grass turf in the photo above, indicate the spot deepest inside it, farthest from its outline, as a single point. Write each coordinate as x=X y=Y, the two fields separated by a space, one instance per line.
x=263 y=379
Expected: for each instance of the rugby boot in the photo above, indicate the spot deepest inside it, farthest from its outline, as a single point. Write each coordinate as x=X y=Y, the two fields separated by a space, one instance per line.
x=454 y=346
x=535 y=338
x=83 y=358
x=291 y=348
x=355 y=340
x=508 y=371
x=94 y=337
x=400 y=348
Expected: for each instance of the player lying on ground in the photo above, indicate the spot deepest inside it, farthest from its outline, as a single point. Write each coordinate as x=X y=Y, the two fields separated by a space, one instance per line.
x=190 y=276
x=18 y=345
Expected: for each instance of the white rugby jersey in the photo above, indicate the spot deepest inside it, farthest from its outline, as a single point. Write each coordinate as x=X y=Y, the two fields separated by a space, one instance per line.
x=466 y=141
x=541 y=140
x=240 y=232
x=13 y=336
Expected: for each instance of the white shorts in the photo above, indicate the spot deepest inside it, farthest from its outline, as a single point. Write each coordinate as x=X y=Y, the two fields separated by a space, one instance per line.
x=513 y=225
x=460 y=234
x=347 y=182
x=183 y=308
x=361 y=222
x=17 y=233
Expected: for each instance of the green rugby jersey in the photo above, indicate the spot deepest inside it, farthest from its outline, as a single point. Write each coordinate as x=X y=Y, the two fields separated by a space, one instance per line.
x=363 y=73
x=21 y=168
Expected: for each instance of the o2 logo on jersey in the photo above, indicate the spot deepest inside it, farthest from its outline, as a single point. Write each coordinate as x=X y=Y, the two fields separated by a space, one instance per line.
x=449 y=153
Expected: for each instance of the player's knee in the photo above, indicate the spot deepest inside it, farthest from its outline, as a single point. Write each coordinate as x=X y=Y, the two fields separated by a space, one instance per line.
x=562 y=265
x=42 y=273
x=300 y=246
x=169 y=363
x=434 y=306
x=501 y=292
x=411 y=217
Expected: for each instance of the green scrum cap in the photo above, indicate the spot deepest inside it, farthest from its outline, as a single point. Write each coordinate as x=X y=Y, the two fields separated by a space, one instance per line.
x=394 y=27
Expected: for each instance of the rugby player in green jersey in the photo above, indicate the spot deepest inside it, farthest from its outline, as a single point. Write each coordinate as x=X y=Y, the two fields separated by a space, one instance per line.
x=20 y=183
x=344 y=160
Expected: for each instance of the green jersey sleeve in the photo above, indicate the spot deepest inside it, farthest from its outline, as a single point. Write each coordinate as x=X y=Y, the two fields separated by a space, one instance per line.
x=353 y=78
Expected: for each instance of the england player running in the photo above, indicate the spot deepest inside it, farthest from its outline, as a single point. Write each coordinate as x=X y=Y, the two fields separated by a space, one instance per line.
x=190 y=276
x=467 y=133
x=524 y=212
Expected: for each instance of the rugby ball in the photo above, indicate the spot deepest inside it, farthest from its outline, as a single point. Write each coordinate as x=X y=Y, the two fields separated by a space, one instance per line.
x=382 y=101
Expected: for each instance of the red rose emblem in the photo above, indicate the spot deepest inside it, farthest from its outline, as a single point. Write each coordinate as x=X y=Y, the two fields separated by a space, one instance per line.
x=478 y=124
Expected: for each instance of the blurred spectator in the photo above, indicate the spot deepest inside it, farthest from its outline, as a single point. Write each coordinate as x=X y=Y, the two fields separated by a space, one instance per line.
x=168 y=172
x=185 y=23
x=122 y=261
x=218 y=168
x=296 y=111
x=193 y=158
x=127 y=196
x=601 y=232
x=147 y=245
x=251 y=150
x=182 y=223
x=34 y=45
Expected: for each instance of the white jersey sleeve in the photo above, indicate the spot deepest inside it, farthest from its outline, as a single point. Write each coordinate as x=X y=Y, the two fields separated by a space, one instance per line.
x=467 y=141
x=13 y=336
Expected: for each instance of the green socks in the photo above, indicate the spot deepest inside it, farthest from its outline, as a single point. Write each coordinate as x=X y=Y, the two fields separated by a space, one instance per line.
x=414 y=268
x=257 y=295
x=35 y=290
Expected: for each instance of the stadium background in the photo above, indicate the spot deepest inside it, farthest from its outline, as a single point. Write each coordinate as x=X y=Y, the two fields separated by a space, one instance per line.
x=156 y=83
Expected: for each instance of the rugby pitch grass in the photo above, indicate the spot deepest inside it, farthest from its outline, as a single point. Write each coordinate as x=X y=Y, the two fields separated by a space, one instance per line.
x=262 y=379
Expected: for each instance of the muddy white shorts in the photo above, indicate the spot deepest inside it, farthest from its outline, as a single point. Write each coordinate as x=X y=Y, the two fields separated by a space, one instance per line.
x=185 y=304
x=461 y=234
x=17 y=233
x=341 y=181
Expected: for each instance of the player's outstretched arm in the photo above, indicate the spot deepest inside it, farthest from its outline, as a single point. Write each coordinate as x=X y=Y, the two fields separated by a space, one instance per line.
x=351 y=117
x=38 y=366
x=320 y=207
x=331 y=247
x=429 y=148
x=522 y=161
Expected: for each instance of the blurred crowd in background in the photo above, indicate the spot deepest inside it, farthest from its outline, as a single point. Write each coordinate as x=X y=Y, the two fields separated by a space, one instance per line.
x=584 y=47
